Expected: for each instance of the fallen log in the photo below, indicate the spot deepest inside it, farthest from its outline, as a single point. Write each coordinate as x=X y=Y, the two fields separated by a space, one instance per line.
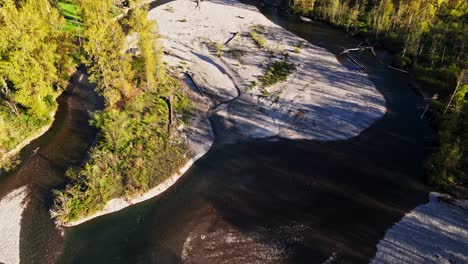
x=359 y=48
x=396 y=69
x=168 y=101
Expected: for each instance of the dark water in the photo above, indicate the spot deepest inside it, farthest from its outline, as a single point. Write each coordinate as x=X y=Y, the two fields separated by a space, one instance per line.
x=301 y=201
x=65 y=144
x=337 y=197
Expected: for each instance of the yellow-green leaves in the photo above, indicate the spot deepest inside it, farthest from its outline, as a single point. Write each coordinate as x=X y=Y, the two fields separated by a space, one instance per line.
x=109 y=65
x=30 y=39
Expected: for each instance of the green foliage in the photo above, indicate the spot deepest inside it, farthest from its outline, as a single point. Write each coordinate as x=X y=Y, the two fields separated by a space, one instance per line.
x=252 y=85
x=35 y=64
x=136 y=149
x=449 y=165
x=255 y=34
x=73 y=15
x=219 y=48
x=134 y=153
x=277 y=72
x=170 y=9
x=150 y=53
x=110 y=68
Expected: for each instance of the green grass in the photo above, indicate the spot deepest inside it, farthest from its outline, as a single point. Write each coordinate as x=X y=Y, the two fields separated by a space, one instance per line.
x=73 y=16
x=219 y=47
x=258 y=39
x=277 y=72
x=170 y=9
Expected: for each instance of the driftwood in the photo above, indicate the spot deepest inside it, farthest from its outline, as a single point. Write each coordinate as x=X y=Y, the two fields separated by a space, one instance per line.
x=359 y=48
x=459 y=81
x=396 y=69
x=195 y=83
x=234 y=34
x=168 y=101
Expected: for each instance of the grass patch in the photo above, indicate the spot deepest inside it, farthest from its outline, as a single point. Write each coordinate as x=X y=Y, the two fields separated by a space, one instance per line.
x=73 y=16
x=15 y=129
x=219 y=47
x=252 y=85
x=258 y=39
x=256 y=35
x=236 y=53
x=170 y=9
x=277 y=72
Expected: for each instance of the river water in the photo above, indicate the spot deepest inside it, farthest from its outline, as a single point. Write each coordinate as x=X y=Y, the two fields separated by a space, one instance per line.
x=262 y=201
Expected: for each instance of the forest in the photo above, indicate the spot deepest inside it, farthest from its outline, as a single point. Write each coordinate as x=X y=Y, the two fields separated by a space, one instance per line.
x=428 y=38
x=36 y=61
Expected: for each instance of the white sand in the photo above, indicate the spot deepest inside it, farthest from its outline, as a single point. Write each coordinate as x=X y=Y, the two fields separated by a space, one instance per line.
x=11 y=210
x=322 y=100
x=436 y=232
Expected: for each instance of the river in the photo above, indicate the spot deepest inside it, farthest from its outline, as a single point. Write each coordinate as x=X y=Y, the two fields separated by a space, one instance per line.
x=250 y=202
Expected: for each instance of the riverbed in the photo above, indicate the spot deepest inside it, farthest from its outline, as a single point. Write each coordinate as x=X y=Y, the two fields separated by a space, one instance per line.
x=276 y=200
x=255 y=201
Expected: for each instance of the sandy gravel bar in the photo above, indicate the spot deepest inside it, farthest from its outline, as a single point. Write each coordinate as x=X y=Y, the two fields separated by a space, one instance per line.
x=11 y=211
x=321 y=100
x=436 y=232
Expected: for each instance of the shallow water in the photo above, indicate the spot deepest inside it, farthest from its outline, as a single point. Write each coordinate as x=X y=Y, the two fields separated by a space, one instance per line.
x=261 y=201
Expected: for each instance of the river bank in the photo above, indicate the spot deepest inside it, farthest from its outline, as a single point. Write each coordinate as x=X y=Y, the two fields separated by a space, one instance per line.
x=11 y=154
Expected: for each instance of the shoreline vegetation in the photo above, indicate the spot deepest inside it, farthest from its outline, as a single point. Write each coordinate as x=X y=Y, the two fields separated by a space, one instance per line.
x=429 y=40
x=138 y=144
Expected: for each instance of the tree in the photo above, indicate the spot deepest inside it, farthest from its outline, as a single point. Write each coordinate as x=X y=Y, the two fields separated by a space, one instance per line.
x=31 y=40
x=147 y=46
x=109 y=66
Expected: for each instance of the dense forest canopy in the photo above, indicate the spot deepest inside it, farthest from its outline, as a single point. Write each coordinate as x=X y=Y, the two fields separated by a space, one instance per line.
x=429 y=37
x=35 y=64
x=429 y=32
